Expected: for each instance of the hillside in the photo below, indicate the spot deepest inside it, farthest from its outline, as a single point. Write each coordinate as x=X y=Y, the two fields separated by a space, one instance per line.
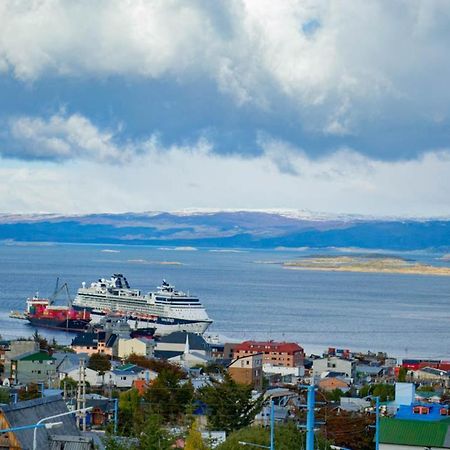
x=225 y=229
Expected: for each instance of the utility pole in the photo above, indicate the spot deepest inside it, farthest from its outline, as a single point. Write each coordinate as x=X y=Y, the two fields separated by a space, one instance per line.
x=377 y=423
x=310 y=417
x=81 y=392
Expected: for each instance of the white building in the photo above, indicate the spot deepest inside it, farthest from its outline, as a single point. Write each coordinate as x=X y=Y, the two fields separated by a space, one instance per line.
x=334 y=364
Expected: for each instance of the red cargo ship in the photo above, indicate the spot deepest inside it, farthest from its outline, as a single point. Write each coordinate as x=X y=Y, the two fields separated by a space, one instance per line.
x=41 y=313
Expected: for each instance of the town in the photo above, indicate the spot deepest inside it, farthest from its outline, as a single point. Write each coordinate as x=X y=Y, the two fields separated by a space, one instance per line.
x=109 y=390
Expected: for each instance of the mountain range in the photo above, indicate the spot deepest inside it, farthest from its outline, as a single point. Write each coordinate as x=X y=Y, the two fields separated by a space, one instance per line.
x=230 y=229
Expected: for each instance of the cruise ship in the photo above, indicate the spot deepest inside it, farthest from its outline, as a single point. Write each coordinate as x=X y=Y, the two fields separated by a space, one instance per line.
x=166 y=309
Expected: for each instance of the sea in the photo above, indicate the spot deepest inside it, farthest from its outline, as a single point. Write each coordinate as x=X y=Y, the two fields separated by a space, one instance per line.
x=250 y=295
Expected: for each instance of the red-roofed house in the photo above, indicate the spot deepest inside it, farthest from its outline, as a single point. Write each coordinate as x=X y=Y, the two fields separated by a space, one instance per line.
x=287 y=354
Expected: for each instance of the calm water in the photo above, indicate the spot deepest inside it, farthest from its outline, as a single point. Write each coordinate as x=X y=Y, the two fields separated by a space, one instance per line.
x=405 y=315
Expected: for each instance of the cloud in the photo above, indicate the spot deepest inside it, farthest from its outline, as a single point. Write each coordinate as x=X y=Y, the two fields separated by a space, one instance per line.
x=62 y=137
x=338 y=65
x=178 y=177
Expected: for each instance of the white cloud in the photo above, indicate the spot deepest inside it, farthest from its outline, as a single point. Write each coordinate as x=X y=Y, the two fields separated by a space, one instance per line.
x=181 y=177
x=362 y=56
x=63 y=137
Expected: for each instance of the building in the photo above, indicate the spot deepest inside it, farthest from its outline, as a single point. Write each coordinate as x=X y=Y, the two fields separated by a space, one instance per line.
x=401 y=434
x=124 y=376
x=14 y=349
x=247 y=370
x=138 y=346
x=286 y=354
x=330 y=384
x=174 y=344
x=91 y=376
x=432 y=374
x=344 y=366
x=189 y=358
x=33 y=367
x=98 y=342
x=30 y=412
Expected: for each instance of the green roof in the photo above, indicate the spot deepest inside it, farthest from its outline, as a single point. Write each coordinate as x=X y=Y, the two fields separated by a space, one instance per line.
x=38 y=356
x=414 y=432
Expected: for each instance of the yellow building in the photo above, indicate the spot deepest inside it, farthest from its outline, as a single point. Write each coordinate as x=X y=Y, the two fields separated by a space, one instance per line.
x=137 y=346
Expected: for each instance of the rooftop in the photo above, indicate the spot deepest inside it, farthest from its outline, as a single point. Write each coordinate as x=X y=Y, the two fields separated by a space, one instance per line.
x=412 y=432
x=269 y=345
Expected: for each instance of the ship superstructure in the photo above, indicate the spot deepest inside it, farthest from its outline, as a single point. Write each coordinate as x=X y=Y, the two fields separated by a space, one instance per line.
x=166 y=309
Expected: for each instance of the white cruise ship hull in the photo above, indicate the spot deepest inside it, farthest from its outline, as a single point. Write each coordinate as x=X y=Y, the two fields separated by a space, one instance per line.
x=167 y=310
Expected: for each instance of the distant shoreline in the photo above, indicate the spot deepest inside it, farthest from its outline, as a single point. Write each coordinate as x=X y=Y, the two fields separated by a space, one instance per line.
x=366 y=265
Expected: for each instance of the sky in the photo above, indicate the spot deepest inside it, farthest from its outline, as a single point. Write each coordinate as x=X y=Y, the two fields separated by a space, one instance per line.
x=324 y=105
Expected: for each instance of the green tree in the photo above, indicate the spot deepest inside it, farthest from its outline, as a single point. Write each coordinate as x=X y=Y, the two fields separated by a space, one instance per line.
x=99 y=362
x=194 y=440
x=402 y=372
x=287 y=437
x=153 y=436
x=130 y=415
x=382 y=390
x=230 y=404
x=169 y=395
x=334 y=395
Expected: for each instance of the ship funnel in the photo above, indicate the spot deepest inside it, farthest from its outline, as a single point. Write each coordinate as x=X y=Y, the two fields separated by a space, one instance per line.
x=83 y=284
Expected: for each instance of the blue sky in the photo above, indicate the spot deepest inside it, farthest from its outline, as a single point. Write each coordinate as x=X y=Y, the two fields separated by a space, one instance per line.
x=331 y=106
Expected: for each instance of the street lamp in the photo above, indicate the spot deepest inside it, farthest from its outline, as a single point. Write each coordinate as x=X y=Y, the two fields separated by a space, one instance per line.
x=34 y=425
x=41 y=425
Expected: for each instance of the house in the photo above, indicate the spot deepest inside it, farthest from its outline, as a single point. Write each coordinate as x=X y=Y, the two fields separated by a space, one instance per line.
x=124 y=376
x=14 y=349
x=286 y=354
x=432 y=374
x=247 y=370
x=345 y=366
x=97 y=342
x=91 y=376
x=174 y=344
x=354 y=404
x=30 y=412
x=138 y=346
x=33 y=367
x=189 y=358
x=401 y=434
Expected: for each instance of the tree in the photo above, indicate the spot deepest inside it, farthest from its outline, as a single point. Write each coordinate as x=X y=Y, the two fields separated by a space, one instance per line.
x=382 y=390
x=169 y=395
x=194 y=440
x=99 y=362
x=130 y=416
x=154 y=437
x=230 y=404
x=43 y=343
x=154 y=364
x=349 y=430
x=402 y=372
x=29 y=392
x=287 y=437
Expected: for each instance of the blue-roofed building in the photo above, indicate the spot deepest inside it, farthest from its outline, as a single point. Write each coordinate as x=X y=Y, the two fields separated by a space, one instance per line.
x=423 y=411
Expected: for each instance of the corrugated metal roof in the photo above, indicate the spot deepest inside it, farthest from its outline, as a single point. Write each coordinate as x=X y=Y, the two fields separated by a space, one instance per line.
x=412 y=432
x=31 y=411
x=71 y=443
